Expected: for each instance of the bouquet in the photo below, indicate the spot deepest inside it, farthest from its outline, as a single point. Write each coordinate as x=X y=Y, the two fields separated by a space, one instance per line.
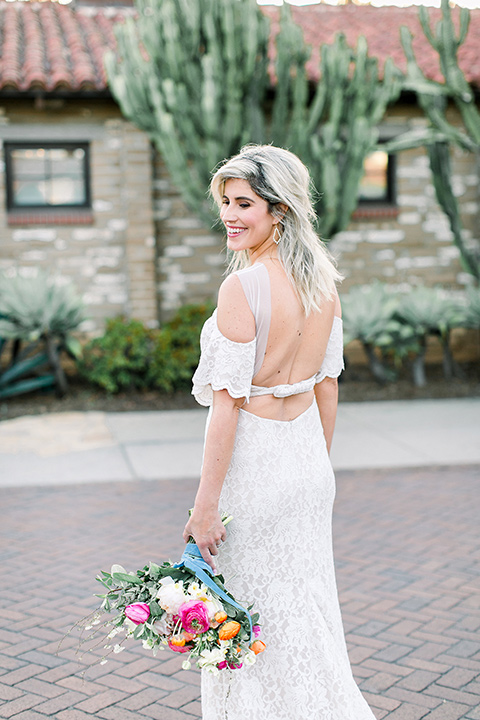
x=179 y=606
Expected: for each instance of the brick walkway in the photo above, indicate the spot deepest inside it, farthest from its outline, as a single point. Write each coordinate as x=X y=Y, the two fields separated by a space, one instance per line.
x=408 y=558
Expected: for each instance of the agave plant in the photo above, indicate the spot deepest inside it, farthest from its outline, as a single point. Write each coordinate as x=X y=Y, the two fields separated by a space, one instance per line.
x=369 y=316
x=38 y=317
x=471 y=318
x=428 y=311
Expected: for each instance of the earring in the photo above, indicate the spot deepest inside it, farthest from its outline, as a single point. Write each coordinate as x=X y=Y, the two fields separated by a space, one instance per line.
x=277 y=237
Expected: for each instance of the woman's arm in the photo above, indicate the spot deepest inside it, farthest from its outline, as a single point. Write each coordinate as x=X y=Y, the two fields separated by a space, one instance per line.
x=205 y=524
x=236 y=322
x=326 y=394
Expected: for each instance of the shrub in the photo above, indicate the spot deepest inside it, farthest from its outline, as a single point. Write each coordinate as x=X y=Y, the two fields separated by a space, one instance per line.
x=369 y=316
x=472 y=311
x=130 y=356
x=428 y=311
x=38 y=317
x=119 y=359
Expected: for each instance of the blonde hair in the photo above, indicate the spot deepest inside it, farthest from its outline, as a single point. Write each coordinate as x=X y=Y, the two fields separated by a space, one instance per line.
x=280 y=178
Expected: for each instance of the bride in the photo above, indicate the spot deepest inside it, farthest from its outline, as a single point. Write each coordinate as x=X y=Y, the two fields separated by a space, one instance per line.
x=271 y=355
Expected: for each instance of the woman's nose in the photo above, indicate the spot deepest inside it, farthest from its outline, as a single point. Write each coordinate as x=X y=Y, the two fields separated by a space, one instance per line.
x=228 y=213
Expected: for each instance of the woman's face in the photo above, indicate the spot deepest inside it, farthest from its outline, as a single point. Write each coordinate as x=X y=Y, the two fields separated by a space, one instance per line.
x=246 y=217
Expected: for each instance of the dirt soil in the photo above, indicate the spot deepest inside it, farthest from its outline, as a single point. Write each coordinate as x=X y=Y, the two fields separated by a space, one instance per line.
x=356 y=385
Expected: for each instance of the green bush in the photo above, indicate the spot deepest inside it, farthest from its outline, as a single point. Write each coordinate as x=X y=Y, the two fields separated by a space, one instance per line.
x=130 y=356
x=472 y=310
x=393 y=328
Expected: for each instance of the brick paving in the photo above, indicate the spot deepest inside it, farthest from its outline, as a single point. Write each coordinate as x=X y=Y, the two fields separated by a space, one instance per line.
x=408 y=564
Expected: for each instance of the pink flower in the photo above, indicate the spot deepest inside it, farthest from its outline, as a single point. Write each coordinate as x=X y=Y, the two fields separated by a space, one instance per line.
x=179 y=648
x=194 y=616
x=138 y=613
x=235 y=666
x=256 y=630
x=222 y=665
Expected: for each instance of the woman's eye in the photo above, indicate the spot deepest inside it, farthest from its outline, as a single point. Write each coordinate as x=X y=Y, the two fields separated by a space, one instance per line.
x=244 y=205
x=225 y=202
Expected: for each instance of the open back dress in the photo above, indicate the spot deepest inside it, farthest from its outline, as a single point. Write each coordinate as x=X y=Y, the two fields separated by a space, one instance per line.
x=280 y=488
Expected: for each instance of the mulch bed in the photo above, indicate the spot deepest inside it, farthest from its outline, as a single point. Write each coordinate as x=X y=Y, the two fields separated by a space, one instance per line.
x=356 y=385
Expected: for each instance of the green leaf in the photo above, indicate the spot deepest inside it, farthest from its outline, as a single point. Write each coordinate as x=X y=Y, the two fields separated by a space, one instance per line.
x=155 y=609
x=124 y=577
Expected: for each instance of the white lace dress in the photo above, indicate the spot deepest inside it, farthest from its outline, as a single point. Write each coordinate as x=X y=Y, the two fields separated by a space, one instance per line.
x=280 y=488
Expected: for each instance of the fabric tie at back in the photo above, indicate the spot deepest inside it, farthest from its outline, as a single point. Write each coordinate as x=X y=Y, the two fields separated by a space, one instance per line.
x=193 y=561
x=283 y=391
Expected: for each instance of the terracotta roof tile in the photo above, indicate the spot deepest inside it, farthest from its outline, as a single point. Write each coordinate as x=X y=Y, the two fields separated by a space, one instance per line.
x=381 y=27
x=48 y=46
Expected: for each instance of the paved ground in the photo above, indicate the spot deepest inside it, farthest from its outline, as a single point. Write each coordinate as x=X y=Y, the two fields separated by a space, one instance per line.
x=407 y=544
x=99 y=447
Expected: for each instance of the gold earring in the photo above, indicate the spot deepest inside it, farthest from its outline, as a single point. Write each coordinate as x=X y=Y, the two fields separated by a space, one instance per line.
x=278 y=237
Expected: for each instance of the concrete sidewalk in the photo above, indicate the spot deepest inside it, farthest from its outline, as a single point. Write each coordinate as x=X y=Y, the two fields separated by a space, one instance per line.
x=67 y=448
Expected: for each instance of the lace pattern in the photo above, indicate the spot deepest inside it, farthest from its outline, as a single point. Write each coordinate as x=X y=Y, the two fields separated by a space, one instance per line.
x=333 y=363
x=224 y=365
x=280 y=488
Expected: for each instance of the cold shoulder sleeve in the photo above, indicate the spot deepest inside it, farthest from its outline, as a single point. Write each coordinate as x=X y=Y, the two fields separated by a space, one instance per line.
x=333 y=363
x=224 y=365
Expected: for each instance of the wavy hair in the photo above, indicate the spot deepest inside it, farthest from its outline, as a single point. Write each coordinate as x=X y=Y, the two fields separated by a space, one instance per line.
x=280 y=178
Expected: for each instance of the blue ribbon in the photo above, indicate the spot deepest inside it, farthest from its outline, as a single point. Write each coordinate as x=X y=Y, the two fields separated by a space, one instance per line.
x=193 y=561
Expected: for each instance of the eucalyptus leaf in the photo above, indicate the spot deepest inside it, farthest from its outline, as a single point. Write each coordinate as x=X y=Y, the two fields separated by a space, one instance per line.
x=124 y=577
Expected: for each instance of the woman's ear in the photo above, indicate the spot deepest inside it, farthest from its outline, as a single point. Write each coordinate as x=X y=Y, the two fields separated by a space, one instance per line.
x=280 y=211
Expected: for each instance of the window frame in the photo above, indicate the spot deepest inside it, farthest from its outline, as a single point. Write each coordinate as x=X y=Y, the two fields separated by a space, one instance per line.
x=10 y=146
x=390 y=199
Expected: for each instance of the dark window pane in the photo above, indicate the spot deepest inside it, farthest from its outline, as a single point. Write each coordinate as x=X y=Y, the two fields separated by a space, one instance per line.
x=29 y=193
x=47 y=176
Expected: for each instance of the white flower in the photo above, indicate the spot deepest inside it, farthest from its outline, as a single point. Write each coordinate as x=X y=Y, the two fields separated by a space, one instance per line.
x=117 y=569
x=211 y=657
x=250 y=658
x=118 y=648
x=147 y=644
x=113 y=632
x=103 y=661
x=186 y=665
x=171 y=596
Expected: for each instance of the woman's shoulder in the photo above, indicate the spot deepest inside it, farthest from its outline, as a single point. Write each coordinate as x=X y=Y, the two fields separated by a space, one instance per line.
x=234 y=317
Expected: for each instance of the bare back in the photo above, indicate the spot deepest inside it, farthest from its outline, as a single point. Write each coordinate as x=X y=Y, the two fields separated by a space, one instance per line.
x=295 y=347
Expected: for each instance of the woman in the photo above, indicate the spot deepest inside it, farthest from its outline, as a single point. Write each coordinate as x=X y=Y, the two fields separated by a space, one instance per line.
x=271 y=355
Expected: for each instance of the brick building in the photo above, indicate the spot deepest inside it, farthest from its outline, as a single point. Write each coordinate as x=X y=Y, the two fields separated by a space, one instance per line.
x=84 y=195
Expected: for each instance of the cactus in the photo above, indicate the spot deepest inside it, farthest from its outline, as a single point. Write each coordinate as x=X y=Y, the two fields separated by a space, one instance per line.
x=432 y=98
x=194 y=75
x=337 y=128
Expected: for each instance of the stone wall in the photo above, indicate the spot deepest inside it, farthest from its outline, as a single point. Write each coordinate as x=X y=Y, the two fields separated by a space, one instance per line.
x=415 y=247
x=409 y=246
x=110 y=256
x=190 y=256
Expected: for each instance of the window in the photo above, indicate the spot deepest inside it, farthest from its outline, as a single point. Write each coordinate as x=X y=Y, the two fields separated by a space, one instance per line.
x=378 y=183
x=47 y=176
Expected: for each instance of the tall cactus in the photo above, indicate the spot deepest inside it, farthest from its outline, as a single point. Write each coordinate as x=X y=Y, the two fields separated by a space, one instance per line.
x=432 y=98
x=334 y=130
x=193 y=74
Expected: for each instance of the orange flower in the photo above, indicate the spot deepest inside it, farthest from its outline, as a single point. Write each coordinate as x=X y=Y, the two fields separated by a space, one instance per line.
x=258 y=647
x=177 y=640
x=229 y=630
x=188 y=636
x=220 y=616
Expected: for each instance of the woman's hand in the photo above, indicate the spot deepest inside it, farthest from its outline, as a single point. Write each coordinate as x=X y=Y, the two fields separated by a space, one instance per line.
x=208 y=532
